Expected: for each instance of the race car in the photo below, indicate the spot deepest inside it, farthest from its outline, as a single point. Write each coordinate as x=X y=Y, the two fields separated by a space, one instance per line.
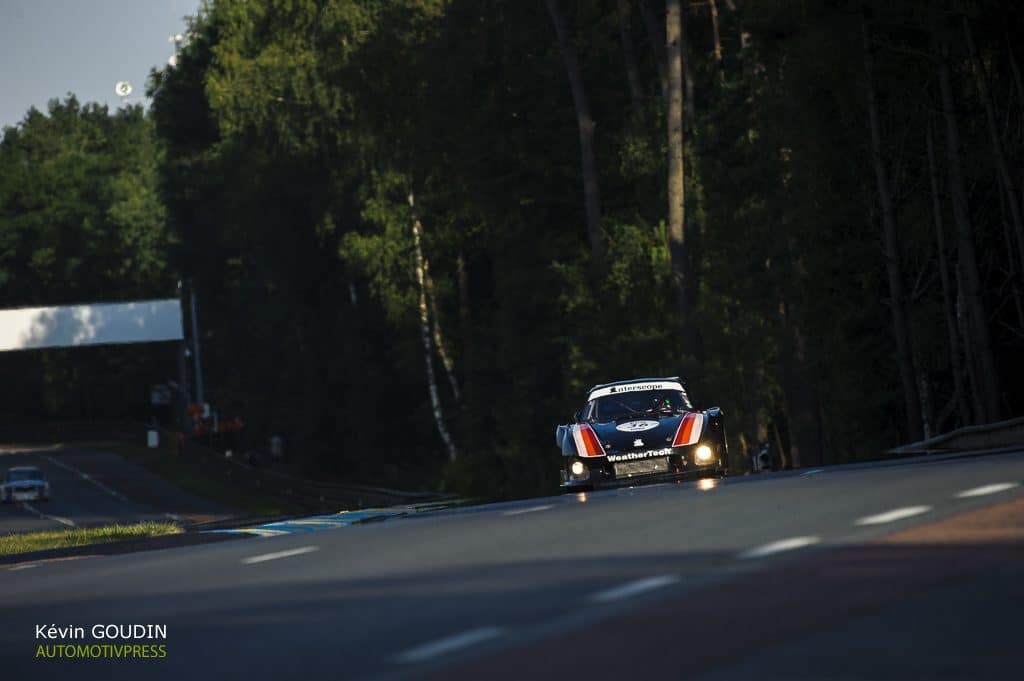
x=24 y=483
x=640 y=430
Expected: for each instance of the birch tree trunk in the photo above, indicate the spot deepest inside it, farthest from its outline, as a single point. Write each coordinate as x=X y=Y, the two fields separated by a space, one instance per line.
x=636 y=94
x=465 y=324
x=969 y=349
x=684 y=48
x=439 y=342
x=716 y=37
x=948 y=299
x=987 y=394
x=926 y=407
x=425 y=335
x=585 y=123
x=676 y=189
x=1002 y=168
x=900 y=324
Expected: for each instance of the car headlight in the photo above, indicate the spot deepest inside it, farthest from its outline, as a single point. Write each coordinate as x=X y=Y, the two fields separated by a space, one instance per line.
x=703 y=454
x=577 y=468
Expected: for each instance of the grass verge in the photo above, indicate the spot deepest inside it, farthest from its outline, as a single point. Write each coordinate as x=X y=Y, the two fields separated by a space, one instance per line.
x=81 y=536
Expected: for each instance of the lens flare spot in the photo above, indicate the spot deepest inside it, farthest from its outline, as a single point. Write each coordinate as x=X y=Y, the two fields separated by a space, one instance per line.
x=707 y=484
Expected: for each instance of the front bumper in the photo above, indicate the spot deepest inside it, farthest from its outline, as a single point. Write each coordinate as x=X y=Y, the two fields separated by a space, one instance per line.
x=23 y=494
x=600 y=472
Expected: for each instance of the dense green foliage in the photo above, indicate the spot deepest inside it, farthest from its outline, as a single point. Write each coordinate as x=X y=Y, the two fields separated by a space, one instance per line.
x=293 y=133
x=81 y=220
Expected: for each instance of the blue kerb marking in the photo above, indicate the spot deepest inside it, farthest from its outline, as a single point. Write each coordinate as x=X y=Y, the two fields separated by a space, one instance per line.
x=291 y=528
x=312 y=523
x=357 y=516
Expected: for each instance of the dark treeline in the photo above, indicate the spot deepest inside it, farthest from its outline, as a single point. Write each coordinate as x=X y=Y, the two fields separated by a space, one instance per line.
x=420 y=229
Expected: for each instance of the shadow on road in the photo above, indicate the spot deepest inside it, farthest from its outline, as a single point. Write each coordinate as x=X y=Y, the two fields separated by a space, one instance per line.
x=874 y=611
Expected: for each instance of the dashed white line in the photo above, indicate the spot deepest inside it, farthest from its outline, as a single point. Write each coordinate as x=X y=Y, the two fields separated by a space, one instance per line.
x=279 y=554
x=893 y=515
x=780 y=546
x=88 y=478
x=814 y=472
x=448 y=644
x=47 y=516
x=987 y=489
x=634 y=588
x=532 y=509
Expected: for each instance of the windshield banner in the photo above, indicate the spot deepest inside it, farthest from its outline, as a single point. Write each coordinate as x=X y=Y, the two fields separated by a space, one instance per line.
x=635 y=387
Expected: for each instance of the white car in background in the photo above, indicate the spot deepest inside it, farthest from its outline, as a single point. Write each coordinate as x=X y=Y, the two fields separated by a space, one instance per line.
x=24 y=483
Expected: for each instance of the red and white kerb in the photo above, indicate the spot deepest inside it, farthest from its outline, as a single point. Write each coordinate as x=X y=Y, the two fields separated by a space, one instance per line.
x=689 y=430
x=587 y=443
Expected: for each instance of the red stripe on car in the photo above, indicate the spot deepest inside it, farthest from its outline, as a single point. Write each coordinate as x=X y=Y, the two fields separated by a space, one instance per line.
x=689 y=430
x=587 y=443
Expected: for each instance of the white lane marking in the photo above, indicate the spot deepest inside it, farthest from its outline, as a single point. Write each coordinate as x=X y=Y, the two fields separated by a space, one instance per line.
x=88 y=478
x=634 y=588
x=59 y=519
x=22 y=567
x=779 y=546
x=279 y=554
x=987 y=489
x=448 y=644
x=893 y=515
x=532 y=509
x=814 y=472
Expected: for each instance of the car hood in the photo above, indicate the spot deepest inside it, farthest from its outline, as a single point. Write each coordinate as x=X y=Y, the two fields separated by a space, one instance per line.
x=638 y=434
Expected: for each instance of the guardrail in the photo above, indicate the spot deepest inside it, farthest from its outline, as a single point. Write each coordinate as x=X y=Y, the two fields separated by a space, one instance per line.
x=291 y=491
x=986 y=436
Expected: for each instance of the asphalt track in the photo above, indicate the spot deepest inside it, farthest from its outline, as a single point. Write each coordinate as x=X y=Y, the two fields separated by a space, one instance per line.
x=92 y=487
x=903 y=570
x=77 y=499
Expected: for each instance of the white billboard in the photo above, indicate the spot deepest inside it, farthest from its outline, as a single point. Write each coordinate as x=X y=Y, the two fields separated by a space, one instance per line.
x=63 y=326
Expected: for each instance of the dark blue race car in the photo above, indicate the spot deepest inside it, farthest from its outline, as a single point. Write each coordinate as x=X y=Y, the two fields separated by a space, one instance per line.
x=640 y=430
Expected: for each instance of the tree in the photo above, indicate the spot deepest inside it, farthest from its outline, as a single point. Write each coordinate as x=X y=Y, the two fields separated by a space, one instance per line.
x=586 y=125
x=997 y=145
x=960 y=398
x=425 y=331
x=629 y=57
x=81 y=221
x=897 y=297
x=738 y=255
x=676 y=181
x=986 y=398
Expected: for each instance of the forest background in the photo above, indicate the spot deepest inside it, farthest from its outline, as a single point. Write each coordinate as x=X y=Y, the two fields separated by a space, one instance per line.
x=419 y=230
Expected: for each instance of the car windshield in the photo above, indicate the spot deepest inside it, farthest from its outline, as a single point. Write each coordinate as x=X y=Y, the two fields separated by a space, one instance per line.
x=24 y=474
x=635 y=404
